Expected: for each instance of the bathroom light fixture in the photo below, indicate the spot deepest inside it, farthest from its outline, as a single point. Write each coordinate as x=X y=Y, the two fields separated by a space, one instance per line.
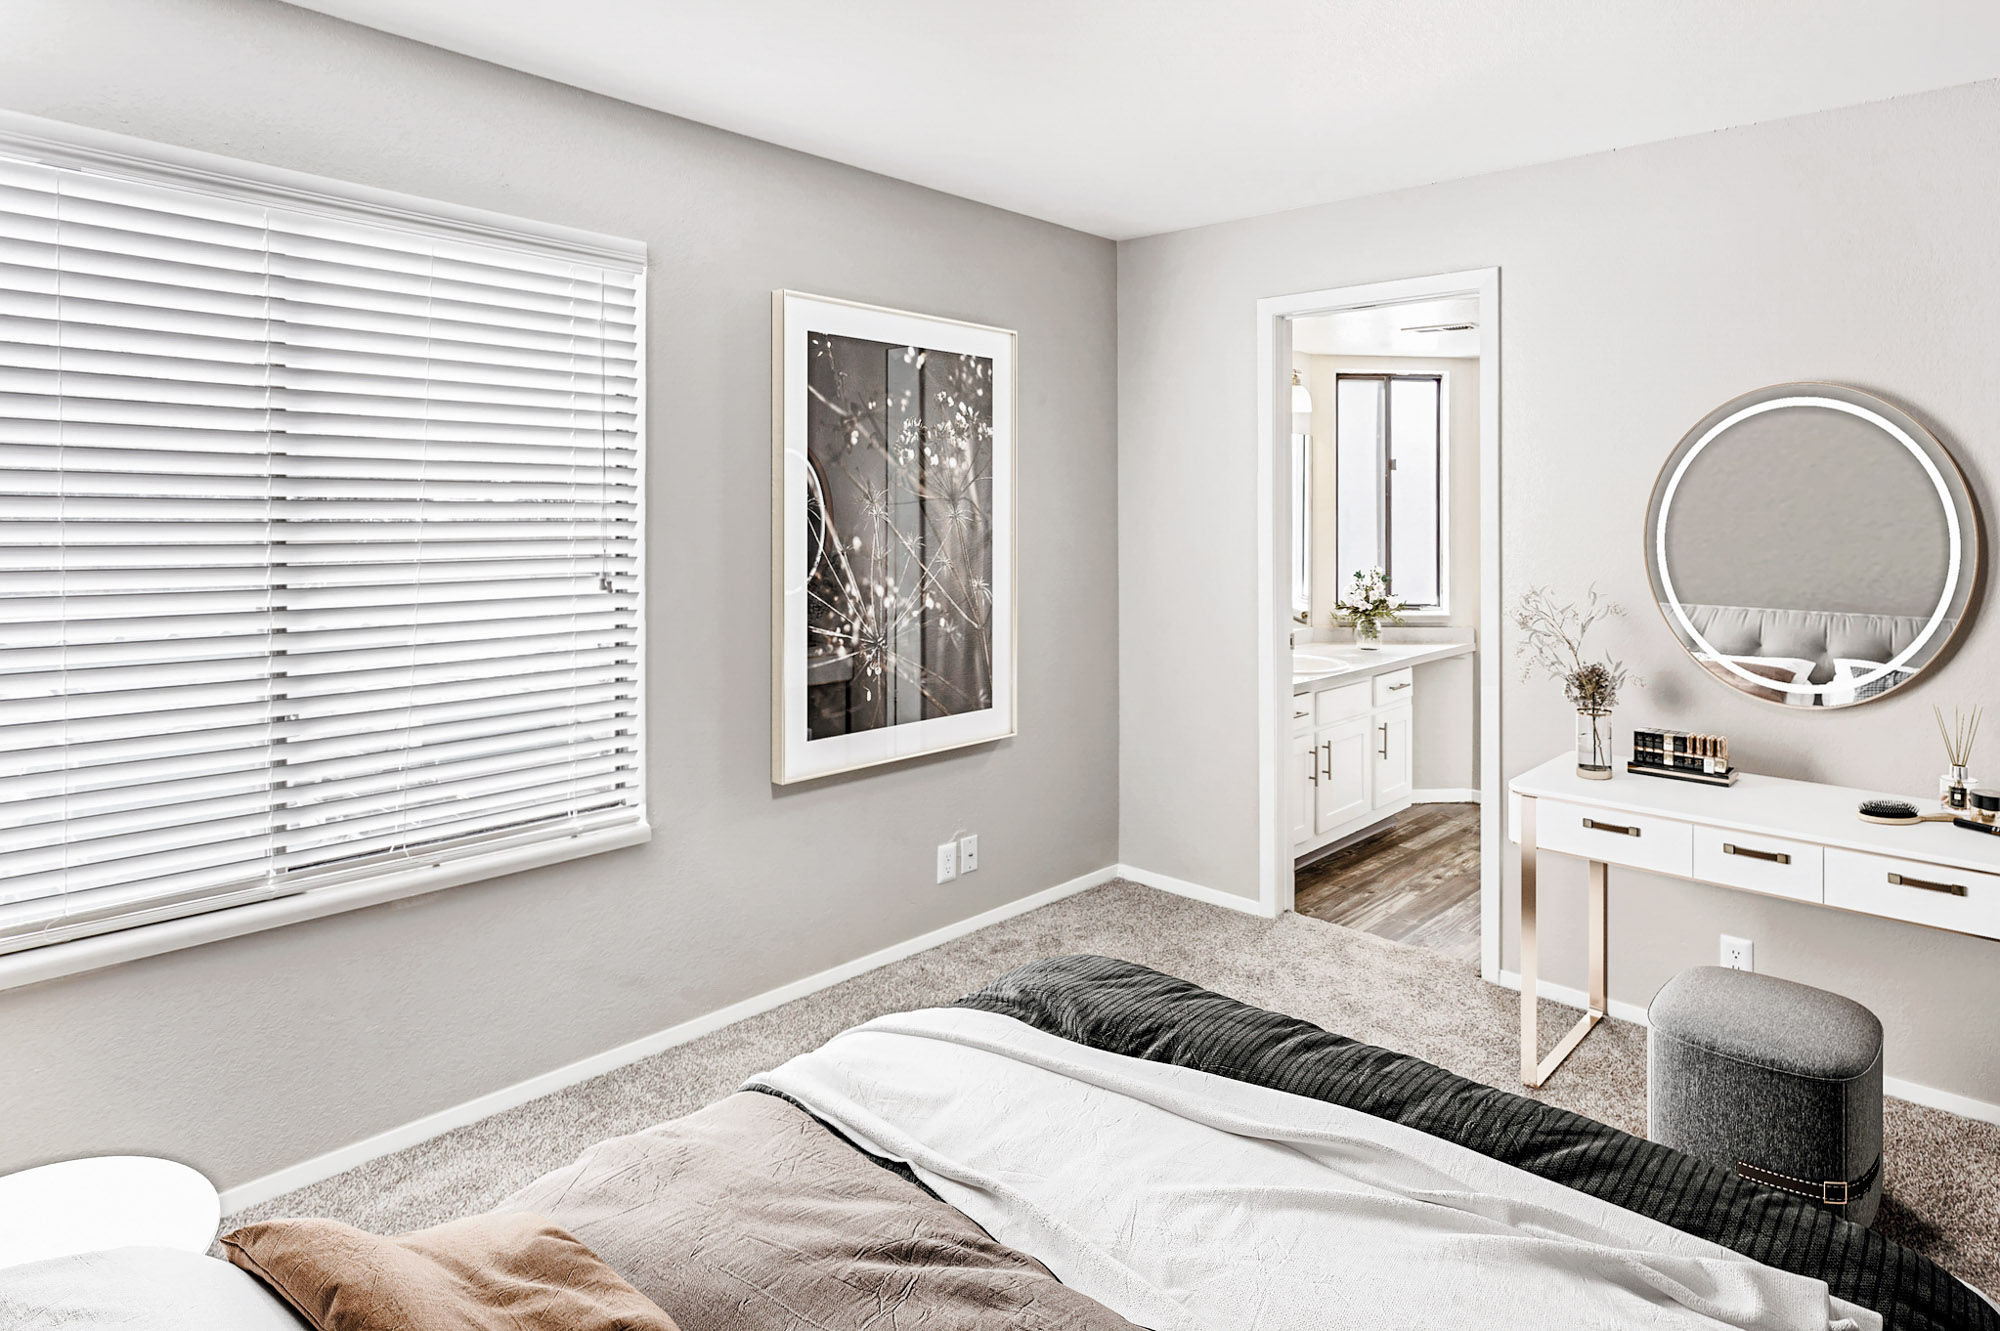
x=1302 y=401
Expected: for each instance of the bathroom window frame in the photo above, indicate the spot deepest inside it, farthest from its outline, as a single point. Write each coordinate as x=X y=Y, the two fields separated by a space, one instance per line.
x=1385 y=490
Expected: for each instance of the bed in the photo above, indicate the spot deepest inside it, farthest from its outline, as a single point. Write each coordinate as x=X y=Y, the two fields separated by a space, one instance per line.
x=868 y=1240
x=1089 y=1145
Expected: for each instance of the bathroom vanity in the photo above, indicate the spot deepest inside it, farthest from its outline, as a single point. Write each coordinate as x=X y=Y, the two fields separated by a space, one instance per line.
x=1352 y=715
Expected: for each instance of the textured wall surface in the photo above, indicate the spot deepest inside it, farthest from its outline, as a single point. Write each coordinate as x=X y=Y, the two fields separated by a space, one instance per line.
x=244 y=1056
x=1640 y=289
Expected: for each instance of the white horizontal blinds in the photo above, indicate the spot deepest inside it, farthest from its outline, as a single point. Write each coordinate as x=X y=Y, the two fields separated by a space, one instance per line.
x=316 y=549
x=457 y=459
x=136 y=616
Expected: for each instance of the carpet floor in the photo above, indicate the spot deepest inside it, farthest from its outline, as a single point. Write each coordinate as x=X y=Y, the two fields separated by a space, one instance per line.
x=1941 y=1169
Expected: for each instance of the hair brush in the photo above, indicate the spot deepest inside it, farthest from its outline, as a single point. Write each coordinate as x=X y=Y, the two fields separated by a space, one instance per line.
x=1898 y=812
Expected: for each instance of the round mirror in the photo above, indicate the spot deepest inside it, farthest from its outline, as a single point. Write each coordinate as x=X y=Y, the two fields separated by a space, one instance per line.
x=1812 y=546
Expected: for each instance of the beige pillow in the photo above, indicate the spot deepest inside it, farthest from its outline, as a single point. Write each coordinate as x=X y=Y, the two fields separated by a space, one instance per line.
x=505 y=1272
x=1762 y=669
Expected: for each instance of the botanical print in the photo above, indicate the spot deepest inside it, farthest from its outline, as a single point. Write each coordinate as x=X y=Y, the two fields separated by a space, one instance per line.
x=899 y=534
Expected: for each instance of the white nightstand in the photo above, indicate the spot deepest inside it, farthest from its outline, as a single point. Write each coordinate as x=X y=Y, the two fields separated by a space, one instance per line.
x=106 y=1201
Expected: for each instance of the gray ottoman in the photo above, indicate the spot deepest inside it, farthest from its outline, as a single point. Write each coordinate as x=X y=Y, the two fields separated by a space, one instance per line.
x=1778 y=1081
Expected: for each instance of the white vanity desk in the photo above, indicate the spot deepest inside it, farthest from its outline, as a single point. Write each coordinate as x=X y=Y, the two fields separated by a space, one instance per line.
x=1795 y=839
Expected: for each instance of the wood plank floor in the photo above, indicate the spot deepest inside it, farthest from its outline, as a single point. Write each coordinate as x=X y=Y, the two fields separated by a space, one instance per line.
x=1416 y=883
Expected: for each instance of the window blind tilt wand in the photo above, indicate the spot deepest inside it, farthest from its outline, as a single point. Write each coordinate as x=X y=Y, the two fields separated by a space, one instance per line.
x=319 y=545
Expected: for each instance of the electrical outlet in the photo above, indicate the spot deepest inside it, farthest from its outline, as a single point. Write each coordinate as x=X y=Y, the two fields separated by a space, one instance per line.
x=1738 y=953
x=947 y=861
x=968 y=853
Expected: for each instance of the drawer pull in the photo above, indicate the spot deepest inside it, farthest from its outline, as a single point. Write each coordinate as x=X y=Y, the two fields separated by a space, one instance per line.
x=1301 y=715
x=1949 y=889
x=1619 y=828
x=1404 y=685
x=1774 y=856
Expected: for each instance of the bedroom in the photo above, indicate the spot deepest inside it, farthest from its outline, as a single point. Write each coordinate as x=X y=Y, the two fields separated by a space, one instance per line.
x=416 y=1061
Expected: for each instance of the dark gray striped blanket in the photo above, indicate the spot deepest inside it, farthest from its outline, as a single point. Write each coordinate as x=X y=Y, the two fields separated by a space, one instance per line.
x=1128 y=1009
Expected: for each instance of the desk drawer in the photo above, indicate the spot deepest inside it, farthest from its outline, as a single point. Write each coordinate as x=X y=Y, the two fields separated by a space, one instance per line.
x=1338 y=704
x=1394 y=687
x=1759 y=863
x=1927 y=893
x=1634 y=840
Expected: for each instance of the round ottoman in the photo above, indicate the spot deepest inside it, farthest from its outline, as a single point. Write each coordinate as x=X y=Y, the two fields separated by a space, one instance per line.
x=1778 y=1081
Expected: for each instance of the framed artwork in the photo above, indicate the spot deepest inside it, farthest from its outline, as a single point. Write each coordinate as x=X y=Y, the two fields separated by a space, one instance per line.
x=892 y=535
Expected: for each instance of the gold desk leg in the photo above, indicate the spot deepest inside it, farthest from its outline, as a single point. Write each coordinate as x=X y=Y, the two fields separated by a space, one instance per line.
x=1535 y=1071
x=1530 y=1042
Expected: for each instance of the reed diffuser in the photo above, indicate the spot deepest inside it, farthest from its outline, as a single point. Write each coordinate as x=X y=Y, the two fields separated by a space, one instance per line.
x=1955 y=786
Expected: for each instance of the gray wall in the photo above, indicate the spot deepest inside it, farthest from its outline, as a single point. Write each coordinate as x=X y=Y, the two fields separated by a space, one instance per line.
x=1808 y=509
x=1640 y=289
x=243 y=1056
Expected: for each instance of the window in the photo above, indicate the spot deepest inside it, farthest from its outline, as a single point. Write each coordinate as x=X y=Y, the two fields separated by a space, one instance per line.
x=1389 y=482
x=319 y=526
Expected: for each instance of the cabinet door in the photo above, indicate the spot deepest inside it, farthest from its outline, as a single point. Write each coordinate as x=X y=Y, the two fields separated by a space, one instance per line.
x=1300 y=785
x=1343 y=773
x=1391 y=754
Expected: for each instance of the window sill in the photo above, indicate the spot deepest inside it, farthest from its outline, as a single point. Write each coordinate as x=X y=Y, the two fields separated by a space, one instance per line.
x=150 y=940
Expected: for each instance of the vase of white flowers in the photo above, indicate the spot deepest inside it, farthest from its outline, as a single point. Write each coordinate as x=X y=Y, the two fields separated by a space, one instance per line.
x=1552 y=634
x=1367 y=607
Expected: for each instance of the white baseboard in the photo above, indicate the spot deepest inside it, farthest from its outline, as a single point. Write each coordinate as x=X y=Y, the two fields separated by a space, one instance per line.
x=1445 y=795
x=1916 y=1093
x=418 y=1130
x=1181 y=887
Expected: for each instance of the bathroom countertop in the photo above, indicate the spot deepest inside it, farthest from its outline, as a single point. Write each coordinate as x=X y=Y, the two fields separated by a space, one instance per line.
x=1323 y=665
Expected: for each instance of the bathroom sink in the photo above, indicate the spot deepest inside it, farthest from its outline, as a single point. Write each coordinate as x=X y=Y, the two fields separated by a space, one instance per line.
x=1319 y=662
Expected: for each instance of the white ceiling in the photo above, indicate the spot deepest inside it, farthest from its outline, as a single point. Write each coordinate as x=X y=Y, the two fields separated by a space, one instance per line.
x=1413 y=328
x=1129 y=117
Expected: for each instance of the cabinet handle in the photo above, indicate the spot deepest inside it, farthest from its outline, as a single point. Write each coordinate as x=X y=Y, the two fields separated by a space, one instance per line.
x=1404 y=685
x=1619 y=828
x=1949 y=889
x=1312 y=773
x=1326 y=750
x=1774 y=856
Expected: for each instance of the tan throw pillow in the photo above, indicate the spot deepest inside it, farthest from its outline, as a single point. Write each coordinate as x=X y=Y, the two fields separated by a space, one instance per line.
x=505 y=1272
x=1782 y=674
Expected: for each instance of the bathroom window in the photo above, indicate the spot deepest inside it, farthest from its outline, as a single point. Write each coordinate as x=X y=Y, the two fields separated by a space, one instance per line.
x=1389 y=483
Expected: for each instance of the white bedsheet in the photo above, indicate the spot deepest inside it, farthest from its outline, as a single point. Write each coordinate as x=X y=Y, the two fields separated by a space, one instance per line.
x=1189 y=1202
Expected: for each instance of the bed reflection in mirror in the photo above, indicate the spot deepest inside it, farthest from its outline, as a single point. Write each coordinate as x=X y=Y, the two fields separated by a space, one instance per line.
x=1812 y=546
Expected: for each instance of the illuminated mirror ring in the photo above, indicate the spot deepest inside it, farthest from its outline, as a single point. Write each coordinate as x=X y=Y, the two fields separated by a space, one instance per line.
x=1955 y=521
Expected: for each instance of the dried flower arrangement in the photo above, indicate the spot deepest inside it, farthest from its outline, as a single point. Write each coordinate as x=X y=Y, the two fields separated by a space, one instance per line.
x=1368 y=605
x=1552 y=634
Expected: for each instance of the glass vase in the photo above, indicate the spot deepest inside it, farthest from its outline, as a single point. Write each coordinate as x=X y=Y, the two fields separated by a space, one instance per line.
x=1593 y=744
x=1367 y=634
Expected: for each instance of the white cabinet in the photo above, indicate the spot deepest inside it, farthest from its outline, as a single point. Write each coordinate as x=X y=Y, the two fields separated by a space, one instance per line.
x=1344 y=792
x=1303 y=785
x=1350 y=762
x=1392 y=754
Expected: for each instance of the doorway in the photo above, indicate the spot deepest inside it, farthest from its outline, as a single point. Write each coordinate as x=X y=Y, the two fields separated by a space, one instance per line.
x=1379 y=433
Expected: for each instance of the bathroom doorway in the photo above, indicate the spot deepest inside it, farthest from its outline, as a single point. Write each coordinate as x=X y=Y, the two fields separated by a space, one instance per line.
x=1381 y=413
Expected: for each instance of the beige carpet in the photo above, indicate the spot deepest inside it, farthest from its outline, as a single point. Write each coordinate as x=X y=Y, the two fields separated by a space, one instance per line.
x=1943 y=1172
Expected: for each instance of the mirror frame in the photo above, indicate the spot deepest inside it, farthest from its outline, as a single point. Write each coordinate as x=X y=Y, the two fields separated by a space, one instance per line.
x=1954 y=493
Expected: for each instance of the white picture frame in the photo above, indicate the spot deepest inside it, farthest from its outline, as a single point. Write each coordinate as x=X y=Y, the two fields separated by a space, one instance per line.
x=892 y=608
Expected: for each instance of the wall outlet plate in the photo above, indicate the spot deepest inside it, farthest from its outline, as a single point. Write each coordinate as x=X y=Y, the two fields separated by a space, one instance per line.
x=1738 y=954
x=968 y=853
x=947 y=861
